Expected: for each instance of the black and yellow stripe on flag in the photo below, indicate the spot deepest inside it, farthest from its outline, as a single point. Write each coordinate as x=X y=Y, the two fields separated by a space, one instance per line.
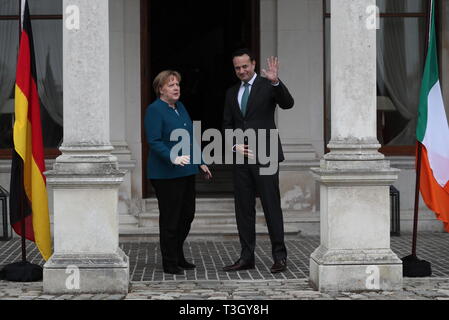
x=28 y=196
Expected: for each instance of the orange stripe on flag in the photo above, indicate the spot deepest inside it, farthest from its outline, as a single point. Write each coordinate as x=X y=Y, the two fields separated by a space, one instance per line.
x=436 y=197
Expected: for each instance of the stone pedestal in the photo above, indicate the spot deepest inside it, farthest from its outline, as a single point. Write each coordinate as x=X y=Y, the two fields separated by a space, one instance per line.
x=354 y=253
x=86 y=233
x=87 y=273
x=85 y=178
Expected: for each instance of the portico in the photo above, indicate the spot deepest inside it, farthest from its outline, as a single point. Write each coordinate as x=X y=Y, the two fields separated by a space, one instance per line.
x=102 y=110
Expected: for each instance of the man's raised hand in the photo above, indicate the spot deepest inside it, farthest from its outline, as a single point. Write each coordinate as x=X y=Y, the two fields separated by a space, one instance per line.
x=273 y=70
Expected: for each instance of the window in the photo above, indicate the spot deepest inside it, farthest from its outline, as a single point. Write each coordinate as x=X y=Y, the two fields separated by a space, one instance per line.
x=46 y=21
x=401 y=41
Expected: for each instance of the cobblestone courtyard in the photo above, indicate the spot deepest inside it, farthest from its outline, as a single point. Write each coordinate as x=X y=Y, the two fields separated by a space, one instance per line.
x=207 y=281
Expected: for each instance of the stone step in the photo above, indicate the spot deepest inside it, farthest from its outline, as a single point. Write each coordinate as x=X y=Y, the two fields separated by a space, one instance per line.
x=218 y=218
x=214 y=217
x=128 y=220
x=198 y=231
x=201 y=205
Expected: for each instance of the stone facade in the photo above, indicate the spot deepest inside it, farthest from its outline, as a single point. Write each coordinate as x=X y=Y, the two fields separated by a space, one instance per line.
x=102 y=142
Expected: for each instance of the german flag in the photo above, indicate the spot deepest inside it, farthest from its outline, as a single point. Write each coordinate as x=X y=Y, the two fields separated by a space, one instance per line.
x=28 y=194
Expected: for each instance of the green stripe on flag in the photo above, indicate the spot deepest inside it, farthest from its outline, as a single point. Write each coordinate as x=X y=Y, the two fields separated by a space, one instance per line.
x=430 y=78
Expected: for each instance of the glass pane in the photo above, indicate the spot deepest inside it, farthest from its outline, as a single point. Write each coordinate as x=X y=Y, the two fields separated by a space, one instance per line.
x=395 y=6
x=402 y=6
x=6 y=124
x=9 y=7
x=9 y=33
x=48 y=52
x=45 y=7
x=400 y=64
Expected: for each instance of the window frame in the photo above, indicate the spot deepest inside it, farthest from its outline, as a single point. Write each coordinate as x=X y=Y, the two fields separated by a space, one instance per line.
x=49 y=153
x=387 y=150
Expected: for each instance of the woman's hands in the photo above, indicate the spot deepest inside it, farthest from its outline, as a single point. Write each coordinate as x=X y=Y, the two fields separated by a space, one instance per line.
x=183 y=160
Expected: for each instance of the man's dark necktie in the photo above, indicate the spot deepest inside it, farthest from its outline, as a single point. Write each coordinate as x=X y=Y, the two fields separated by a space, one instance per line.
x=245 y=98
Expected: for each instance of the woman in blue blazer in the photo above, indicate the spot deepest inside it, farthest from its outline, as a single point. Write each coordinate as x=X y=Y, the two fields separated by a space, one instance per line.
x=172 y=175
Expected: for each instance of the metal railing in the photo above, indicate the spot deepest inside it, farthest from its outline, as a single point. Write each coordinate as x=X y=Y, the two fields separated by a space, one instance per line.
x=395 y=211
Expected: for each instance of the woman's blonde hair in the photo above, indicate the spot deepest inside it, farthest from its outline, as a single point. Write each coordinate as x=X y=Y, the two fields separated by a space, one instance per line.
x=162 y=78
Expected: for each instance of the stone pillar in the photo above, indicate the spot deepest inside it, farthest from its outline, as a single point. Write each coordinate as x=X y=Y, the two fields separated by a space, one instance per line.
x=85 y=178
x=292 y=30
x=354 y=253
x=299 y=44
x=132 y=92
x=118 y=108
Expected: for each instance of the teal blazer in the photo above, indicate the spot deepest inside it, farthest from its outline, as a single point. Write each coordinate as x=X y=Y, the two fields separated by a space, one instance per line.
x=160 y=121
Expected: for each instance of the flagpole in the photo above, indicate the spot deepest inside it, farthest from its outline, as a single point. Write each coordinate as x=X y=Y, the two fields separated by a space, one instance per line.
x=416 y=209
x=411 y=265
x=419 y=154
x=22 y=215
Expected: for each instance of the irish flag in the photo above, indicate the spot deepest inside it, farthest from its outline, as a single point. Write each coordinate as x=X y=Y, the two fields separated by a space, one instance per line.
x=433 y=133
x=28 y=199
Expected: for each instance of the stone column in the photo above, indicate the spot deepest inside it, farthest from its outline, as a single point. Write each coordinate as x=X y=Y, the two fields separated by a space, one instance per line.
x=292 y=30
x=85 y=178
x=354 y=177
x=118 y=108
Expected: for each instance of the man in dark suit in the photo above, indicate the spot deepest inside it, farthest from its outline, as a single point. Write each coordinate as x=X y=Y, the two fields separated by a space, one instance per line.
x=251 y=104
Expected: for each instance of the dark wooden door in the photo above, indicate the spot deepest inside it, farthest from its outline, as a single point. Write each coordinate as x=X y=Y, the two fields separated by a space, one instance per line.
x=197 y=39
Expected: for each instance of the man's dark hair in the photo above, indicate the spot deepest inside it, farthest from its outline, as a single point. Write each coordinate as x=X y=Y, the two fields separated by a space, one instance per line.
x=243 y=51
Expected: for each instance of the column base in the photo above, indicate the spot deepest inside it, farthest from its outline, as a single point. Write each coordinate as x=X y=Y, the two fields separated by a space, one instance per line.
x=355 y=270
x=87 y=273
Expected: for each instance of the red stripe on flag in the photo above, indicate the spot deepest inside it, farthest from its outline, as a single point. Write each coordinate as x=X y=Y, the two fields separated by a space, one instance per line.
x=34 y=116
x=23 y=74
x=27 y=84
x=29 y=233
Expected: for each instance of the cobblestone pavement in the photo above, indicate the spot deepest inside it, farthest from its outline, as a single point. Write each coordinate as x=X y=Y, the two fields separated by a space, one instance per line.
x=207 y=281
x=295 y=289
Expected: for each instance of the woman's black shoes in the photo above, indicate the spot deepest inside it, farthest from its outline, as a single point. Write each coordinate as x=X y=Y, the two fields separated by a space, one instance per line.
x=173 y=270
x=183 y=265
x=186 y=265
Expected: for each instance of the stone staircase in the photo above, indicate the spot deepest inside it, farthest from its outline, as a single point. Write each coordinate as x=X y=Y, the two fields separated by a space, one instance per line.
x=214 y=217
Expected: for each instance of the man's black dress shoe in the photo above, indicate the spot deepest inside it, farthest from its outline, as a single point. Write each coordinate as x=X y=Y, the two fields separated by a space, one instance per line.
x=173 y=270
x=239 y=265
x=279 y=266
x=186 y=265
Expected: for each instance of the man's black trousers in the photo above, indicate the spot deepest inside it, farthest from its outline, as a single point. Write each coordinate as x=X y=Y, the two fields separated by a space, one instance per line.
x=249 y=183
